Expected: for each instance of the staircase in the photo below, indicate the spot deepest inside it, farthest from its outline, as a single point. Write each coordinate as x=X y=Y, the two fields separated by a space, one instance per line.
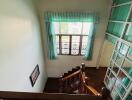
x=75 y=82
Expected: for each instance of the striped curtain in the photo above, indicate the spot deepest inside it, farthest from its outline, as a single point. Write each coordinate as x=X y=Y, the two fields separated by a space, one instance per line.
x=50 y=17
x=71 y=17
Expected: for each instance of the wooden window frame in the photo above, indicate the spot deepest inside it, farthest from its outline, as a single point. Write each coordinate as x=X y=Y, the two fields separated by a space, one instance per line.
x=70 y=44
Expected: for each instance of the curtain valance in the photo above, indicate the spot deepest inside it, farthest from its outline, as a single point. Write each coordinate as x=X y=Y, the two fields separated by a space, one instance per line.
x=71 y=17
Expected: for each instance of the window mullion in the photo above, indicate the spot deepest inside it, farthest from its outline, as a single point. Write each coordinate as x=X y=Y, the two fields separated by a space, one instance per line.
x=80 y=45
x=70 y=43
x=60 y=40
x=80 y=42
x=60 y=44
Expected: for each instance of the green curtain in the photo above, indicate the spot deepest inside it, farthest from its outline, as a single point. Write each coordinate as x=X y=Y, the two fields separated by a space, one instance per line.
x=90 y=43
x=70 y=17
x=52 y=53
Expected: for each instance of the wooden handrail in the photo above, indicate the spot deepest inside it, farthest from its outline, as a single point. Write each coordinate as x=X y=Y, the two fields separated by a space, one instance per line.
x=89 y=88
x=95 y=92
x=45 y=96
x=71 y=75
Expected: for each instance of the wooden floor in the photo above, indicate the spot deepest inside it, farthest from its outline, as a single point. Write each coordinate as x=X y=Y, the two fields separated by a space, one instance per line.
x=96 y=77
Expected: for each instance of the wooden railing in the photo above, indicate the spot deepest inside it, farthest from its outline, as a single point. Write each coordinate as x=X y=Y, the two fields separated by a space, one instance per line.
x=44 y=96
x=71 y=75
x=85 y=88
x=92 y=90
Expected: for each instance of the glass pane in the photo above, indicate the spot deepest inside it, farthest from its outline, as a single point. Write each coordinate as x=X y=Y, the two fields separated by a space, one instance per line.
x=123 y=49
x=115 y=28
x=110 y=39
x=114 y=56
x=129 y=97
x=120 y=13
x=65 y=42
x=129 y=54
x=115 y=69
x=130 y=18
x=118 y=46
x=127 y=66
x=111 y=64
x=74 y=52
x=115 y=95
x=108 y=72
x=116 y=2
x=112 y=80
x=86 y=27
x=63 y=27
x=84 y=44
x=75 y=45
x=58 y=52
x=65 y=51
x=119 y=87
x=57 y=44
x=106 y=80
x=119 y=59
x=128 y=35
x=74 y=27
x=56 y=27
x=123 y=78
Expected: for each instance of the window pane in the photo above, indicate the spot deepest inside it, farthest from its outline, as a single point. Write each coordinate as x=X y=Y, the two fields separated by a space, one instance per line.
x=84 y=44
x=129 y=54
x=128 y=34
x=57 y=44
x=75 y=45
x=111 y=64
x=63 y=27
x=65 y=51
x=119 y=59
x=112 y=80
x=65 y=42
x=115 y=95
x=56 y=27
x=129 y=97
x=74 y=27
x=106 y=80
x=116 y=2
x=120 y=13
x=115 y=69
x=119 y=87
x=110 y=39
x=123 y=78
x=127 y=66
x=86 y=27
x=130 y=17
x=123 y=49
x=115 y=28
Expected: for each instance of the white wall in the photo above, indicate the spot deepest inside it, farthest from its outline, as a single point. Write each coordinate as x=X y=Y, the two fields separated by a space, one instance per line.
x=20 y=46
x=106 y=54
x=64 y=63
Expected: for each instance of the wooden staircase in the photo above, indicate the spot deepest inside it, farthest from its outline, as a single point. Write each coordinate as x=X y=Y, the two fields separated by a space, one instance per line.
x=75 y=82
x=73 y=86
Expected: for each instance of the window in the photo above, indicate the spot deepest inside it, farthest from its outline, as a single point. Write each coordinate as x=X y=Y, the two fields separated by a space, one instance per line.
x=71 y=37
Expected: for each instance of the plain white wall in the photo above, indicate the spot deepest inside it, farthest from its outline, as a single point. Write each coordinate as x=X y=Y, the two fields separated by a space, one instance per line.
x=57 y=67
x=106 y=54
x=20 y=46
